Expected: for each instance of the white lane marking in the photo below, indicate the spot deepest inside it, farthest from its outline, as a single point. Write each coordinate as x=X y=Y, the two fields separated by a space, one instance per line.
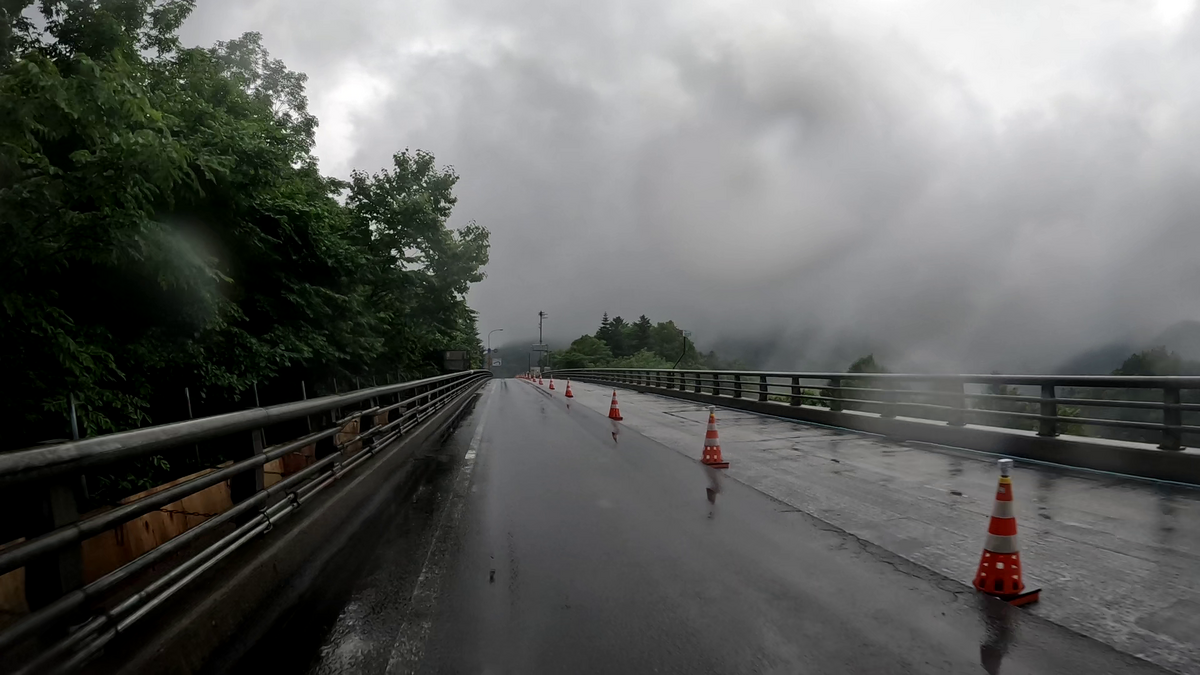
x=474 y=447
x=409 y=645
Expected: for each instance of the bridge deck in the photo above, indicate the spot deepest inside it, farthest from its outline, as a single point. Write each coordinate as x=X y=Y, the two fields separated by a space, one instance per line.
x=564 y=551
x=1118 y=557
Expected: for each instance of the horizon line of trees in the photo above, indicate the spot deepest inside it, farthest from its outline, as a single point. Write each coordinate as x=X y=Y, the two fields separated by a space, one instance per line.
x=638 y=344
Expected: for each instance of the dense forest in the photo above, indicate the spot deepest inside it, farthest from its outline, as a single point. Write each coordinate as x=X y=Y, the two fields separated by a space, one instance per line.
x=640 y=344
x=170 y=245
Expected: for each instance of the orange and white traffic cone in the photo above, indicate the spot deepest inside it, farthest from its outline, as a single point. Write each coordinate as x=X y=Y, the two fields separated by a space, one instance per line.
x=540 y=380
x=1000 y=572
x=712 y=445
x=614 y=413
x=568 y=393
x=551 y=383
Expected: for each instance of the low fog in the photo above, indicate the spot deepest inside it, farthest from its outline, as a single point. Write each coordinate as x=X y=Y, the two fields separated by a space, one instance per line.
x=951 y=186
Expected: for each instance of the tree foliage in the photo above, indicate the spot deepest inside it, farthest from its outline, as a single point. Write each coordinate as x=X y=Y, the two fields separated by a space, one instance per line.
x=166 y=225
x=642 y=344
x=1157 y=361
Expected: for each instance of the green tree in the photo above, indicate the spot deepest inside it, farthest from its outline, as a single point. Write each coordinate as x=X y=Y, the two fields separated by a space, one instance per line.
x=863 y=364
x=666 y=340
x=618 y=337
x=603 y=332
x=585 y=352
x=643 y=359
x=866 y=364
x=419 y=270
x=639 y=337
x=1157 y=361
x=165 y=225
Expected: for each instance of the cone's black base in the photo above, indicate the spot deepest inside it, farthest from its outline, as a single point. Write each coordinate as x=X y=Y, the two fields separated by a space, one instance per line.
x=1027 y=598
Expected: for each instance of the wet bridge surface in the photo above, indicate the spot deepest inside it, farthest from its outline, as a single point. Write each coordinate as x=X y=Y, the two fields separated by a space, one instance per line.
x=558 y=541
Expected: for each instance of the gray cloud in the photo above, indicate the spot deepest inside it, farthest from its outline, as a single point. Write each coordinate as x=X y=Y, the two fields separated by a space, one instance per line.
x=770 y=174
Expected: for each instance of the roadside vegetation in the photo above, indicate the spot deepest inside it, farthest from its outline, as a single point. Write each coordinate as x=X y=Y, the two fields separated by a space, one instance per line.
x=166 y=226
x=640 y=344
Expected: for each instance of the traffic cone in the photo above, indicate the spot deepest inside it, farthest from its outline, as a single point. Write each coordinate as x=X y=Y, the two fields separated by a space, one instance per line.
x=551 y=383
x=568 y=393
x=614 y=413
x=1000 y=572
x=540 y=380
x=712 y=446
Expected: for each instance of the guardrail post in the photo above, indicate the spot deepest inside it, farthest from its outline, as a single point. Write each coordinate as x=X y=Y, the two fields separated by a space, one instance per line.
x=365 y=423
x=671 y=379
x=327 y=446
x=835 y=394
x=1049 y=408
x=737 y=385
x=696 y=383
x=887 y=398
x=762 y=387
x=796 y=391
x=394 y=413
x=244 y=485
x=55 y=574
x=1172 y=438
x=958 y=401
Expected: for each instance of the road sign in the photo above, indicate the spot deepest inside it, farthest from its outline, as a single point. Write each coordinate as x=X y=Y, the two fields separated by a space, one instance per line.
x=456 y=361
x=541 y=347
x=495 y=362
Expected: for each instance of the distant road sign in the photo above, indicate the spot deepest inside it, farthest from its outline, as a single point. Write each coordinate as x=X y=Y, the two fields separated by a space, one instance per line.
x=495 y=362
x=541 y=347
x=456 y=361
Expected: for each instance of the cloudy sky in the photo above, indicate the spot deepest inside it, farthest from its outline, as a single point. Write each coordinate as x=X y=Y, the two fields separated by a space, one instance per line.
x=954 y=184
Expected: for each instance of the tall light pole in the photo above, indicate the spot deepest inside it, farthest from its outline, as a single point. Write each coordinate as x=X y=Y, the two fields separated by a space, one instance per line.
x=541 y=354
x=489 y=340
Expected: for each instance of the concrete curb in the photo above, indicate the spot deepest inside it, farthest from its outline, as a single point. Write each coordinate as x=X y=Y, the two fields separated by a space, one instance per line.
x=1135 y=459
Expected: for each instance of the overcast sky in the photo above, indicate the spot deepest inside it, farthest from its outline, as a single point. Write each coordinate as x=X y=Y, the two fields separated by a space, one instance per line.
x=954 y=184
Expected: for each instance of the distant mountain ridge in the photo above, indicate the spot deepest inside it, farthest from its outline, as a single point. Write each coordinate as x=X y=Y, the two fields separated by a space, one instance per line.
x=1183 y=338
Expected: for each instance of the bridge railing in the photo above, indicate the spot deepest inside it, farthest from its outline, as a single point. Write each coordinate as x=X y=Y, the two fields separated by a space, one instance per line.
x=1162 y=410
x=343 y=432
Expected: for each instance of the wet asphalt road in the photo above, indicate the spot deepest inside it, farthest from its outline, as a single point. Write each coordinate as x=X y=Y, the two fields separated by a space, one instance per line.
x=569 y=551
x=1117 y=556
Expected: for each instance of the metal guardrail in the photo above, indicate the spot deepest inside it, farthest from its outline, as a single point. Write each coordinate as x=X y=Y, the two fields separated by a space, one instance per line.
x=45 y=476
x=949 y=397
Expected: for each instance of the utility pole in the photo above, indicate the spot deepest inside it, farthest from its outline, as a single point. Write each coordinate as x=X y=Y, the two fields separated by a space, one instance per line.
x=541 y=354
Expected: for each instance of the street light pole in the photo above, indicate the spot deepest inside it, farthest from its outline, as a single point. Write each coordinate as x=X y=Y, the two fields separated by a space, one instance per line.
x=542 y=353
x=489 y=341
